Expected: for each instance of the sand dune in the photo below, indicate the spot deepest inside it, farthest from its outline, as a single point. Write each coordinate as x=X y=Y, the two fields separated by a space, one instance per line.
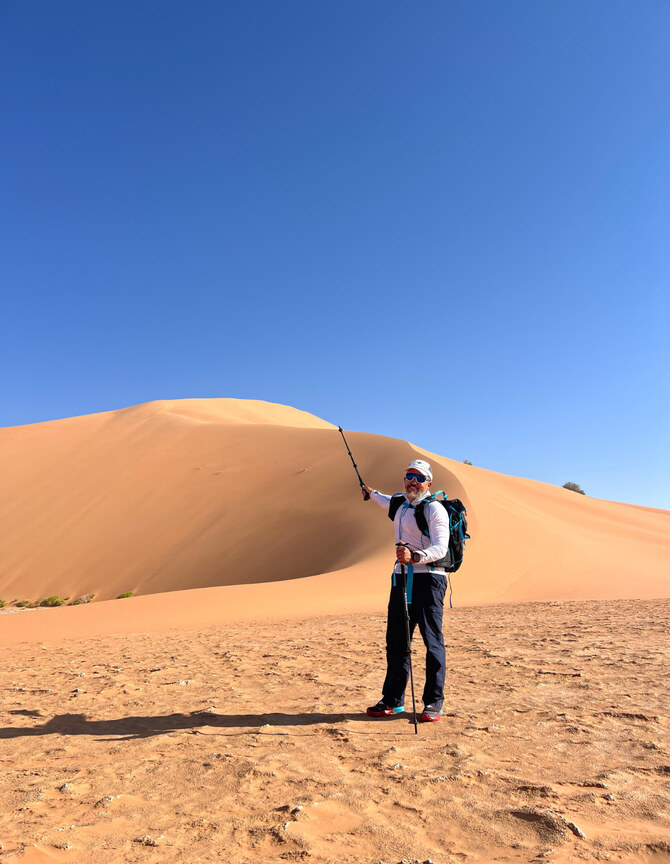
x=188 y=494
x=171 y=496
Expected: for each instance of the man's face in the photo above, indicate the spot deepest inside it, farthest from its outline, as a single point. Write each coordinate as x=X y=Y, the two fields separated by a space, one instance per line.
x=415 y=483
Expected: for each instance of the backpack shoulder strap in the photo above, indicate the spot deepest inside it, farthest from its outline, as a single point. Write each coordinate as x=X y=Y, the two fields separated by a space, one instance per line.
x=420 y=516
x=394 y=504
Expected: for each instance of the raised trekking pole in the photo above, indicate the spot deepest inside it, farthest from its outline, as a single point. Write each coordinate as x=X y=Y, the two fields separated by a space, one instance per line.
x=409 y=643
x=360 y=479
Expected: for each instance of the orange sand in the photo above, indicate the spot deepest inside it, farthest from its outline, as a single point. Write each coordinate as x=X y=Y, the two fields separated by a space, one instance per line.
x=248 y=743
x=218 y=715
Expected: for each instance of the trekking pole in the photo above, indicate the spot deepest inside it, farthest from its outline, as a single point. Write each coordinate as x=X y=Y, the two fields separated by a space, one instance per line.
x=409 y=644
x=366 y=495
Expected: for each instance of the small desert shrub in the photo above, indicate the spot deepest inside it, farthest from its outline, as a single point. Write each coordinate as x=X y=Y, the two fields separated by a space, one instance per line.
x=124 y=595
x=575 y=487
x=2 y=603
x=54 y=600
x=23 y=603
x=467 y=462
x=85 y=599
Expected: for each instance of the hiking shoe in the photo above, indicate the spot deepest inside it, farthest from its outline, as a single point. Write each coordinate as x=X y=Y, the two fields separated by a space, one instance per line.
x=383 y=710
x=431 y=713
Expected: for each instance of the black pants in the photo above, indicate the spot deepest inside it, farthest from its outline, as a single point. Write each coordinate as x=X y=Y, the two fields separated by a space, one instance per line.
x=426 y=610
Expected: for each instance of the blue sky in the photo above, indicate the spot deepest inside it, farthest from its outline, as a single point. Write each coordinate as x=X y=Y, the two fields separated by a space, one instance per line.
x=445 y=222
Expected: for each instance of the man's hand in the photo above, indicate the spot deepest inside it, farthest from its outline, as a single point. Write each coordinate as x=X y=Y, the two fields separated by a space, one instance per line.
x=403 y=554
x=366 y=491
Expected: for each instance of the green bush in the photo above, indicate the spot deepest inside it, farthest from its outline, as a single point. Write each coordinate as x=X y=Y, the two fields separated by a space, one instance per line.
x=574 y=487
x=124 y=595
x=2 y=603
x=54 y=600
x=467 y=462
x=48 y=602
x=23 y=603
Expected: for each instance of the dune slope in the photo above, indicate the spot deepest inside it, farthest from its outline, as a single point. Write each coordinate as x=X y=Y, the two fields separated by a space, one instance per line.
x=188 y=494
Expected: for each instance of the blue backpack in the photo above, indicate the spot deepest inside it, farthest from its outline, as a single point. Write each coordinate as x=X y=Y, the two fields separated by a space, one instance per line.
x=458 y=526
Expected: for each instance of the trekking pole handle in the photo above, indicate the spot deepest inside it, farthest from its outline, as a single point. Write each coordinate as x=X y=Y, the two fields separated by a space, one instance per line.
x=404 y=545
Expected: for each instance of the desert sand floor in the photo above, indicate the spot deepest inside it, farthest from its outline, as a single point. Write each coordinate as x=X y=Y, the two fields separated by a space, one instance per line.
x=248 y=743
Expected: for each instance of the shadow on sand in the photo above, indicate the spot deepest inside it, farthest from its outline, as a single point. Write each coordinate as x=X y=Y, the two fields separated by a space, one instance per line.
x=146 y=727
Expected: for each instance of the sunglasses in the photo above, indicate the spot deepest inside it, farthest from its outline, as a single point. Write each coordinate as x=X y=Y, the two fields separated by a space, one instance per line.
x=420 y=478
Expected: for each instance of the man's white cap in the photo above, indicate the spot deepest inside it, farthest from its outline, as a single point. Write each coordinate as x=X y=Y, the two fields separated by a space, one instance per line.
x=422 y=468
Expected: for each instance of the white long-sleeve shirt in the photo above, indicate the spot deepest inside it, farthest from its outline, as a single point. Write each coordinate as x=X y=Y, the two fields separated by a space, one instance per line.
x=431 y=548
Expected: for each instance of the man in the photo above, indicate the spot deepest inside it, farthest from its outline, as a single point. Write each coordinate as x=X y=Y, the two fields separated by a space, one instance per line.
x=427 y=595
